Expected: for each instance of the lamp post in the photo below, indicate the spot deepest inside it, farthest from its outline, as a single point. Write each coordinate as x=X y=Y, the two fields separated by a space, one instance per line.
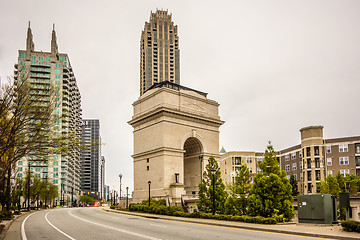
x=213 y=171
x=149 y=182
x=127 y=197
x=120 y=176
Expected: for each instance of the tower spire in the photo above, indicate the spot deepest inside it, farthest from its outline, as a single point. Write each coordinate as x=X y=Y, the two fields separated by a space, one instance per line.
x=54 y=46
x=29 y=41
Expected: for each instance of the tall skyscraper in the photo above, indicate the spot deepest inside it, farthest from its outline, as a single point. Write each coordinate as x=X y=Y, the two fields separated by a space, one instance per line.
x=44 y=71
x=160 y=53
x=91 y=160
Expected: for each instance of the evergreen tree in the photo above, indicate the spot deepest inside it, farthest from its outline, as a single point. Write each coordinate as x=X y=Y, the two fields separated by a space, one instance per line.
x=341 y=181
x=206 y=189
x=237 y=201
x=330 y=186
x=271 y=192
x=294 y=186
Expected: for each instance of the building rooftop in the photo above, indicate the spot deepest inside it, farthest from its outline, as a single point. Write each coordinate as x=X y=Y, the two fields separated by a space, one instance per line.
x=174 y=86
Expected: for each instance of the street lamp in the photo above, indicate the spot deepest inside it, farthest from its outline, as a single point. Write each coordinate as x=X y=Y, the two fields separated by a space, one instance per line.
x=120 y=176
x=149 y=182
x=127 y=197
x=213 y=171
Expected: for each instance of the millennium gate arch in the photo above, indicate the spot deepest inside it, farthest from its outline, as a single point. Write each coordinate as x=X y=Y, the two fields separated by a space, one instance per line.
x=176 y=129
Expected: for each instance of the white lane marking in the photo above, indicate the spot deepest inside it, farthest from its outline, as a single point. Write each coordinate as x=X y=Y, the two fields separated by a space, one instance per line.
x=57 y=228
x=157 y=225
x=23 y=235
x=116 y=229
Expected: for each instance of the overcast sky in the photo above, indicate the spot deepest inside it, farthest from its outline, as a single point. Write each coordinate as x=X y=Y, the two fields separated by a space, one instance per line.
x=274 y=66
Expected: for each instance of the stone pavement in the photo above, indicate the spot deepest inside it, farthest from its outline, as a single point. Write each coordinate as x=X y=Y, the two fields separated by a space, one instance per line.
x=302 y=229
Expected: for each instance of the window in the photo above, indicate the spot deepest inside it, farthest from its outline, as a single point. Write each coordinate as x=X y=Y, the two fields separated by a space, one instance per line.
x=37 y=169
x=237 y=160
x=317 y=175
x=19 y=175
x=287 y=168
x=309 y=175
x=300 y=165
x=22 y=63
x=329 y=161
x=225 y=171
x=293 y=156
x=176 y=178
x=250 y=169
x=48 y=59
x=258 y=170
x=248 y=159
x=55 y=181
x=20 y=163
x=58 y=65
x=56 y=157
x=22 y=54
x=344 y=160
x=41 y=58
x=225 y=161
x=33 y=58
x=330 y=172
x=57 y=77
x=300 y=154
x=147 y=160
x=147 y=168
x=308 y=163
x=316 y=151
x=20 y=169
x=57 y=71
x=287 y=157
x=308 y=152
x=344 y=172
x=294 y=166
x=357 y=161
x=328 y=149
x=301 y=176
x=295 y=176
x=56 y=169
x=357 y=148
x=343 y=148
x=288 y=177
x=317 y=162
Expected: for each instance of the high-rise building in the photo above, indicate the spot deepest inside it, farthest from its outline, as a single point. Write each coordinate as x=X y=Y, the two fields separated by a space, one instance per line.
x=44 y=71
x=91 y=160
x=160 y=53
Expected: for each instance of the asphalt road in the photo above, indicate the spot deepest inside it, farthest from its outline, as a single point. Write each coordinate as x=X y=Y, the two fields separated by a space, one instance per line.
x=94 y=223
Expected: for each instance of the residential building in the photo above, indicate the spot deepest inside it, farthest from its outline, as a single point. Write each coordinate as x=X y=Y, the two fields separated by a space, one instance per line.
x=230 y=163
x=310 y=161
x=44 y=71
x=159 y=51
x=91 y=161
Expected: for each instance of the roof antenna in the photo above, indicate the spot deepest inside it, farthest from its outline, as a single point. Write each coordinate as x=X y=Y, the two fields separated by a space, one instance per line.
x=29 y=24
x=53 y=26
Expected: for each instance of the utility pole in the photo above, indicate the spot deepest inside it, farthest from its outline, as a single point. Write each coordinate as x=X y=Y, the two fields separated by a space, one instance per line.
x=120 y=176
x=28 y=190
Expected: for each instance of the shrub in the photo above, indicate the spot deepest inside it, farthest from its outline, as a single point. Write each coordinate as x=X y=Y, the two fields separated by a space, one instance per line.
x=177 y=211
x=351 y=226
x=6 y=214
x=17 y=212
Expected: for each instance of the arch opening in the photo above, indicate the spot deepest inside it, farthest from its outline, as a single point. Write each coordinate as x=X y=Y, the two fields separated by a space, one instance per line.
x=192 y=165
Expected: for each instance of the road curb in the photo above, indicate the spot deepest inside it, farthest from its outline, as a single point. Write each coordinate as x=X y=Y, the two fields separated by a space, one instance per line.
x=222 y=223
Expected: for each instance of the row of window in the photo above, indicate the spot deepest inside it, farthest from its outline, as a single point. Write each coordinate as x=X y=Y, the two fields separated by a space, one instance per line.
x=342 y=148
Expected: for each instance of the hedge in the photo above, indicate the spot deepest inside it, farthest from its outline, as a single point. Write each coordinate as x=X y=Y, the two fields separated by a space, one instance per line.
x=351 y=226
x=177 y=211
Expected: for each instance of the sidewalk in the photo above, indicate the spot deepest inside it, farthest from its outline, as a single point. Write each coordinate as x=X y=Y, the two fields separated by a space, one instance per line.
x=302 y=229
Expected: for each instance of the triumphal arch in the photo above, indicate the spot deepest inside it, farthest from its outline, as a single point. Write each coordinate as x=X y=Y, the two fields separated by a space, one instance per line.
x=176 y=130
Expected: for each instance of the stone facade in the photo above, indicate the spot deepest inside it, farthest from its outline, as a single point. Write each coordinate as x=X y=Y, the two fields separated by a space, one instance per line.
x=176 y=129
